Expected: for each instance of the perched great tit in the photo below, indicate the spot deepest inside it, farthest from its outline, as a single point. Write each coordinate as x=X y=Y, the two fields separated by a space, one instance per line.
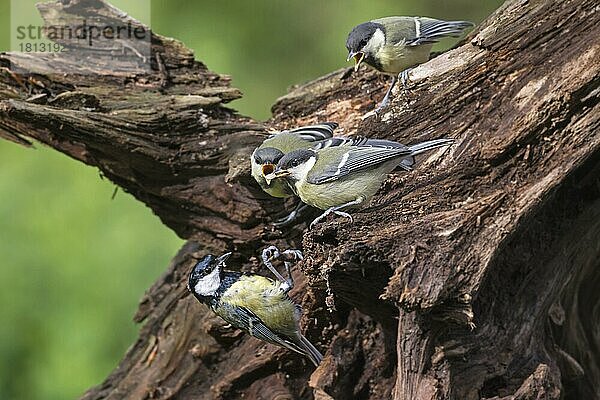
x=344 y=177
x=393 y=45
x=256 y=304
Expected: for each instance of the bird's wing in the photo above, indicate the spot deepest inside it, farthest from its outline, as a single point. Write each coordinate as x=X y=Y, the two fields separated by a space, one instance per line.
x=313 y=133
x=415 y=31
x=337 y=162
x=430 y=30
x=243 y=318
x=357 y=141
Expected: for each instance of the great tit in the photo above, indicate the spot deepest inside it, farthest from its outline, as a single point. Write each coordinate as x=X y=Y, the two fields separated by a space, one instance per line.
x=256 y=304
x=265 y=157
x=344 y=177
x=394 y=45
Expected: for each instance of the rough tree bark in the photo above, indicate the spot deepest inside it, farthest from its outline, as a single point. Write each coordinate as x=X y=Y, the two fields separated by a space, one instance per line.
x=475 y=276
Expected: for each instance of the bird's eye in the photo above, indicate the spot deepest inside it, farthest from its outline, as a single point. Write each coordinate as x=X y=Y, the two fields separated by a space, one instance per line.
x=363 y=43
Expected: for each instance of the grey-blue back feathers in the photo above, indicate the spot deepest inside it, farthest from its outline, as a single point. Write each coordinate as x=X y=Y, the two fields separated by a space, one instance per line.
x=357 y=141
x=369 y=157
x=243 y=318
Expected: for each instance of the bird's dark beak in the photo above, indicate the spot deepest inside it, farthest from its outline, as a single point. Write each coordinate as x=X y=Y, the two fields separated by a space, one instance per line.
x=358 y=58
x=268 y=169
x=221 y=259
x=277 y=173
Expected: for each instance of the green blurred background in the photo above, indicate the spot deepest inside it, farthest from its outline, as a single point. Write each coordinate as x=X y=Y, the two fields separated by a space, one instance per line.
x=74 y=263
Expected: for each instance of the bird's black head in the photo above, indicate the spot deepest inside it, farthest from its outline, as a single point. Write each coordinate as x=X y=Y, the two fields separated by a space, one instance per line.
x=295 y=158
x=267 y=158
x=205 y=278
x=360 y=35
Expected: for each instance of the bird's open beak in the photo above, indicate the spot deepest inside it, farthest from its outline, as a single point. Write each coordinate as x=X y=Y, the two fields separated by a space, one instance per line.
x=221 y=259
x=278 y=173
x=358 y=58
x=268 y=169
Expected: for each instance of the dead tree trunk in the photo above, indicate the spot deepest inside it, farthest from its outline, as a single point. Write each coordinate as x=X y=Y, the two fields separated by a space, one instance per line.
x=475 y=276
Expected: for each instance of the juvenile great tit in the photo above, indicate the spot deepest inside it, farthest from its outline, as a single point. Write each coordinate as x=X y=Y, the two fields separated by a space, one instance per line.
x=345 y=177
x=394 y=45
x=253 y=303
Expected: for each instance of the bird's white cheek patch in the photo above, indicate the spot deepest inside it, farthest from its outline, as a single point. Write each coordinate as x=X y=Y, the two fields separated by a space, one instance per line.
x=208 y=285
x=300 y=172
x=376 y=41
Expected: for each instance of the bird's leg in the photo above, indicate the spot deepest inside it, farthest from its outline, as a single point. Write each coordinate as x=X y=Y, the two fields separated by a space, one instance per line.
x=292 y=216
x=294 y=256
x=268 y=254
x=336 y=211
x=386 y=98
x=404 y=78
x=272 y=253
x=384 y=102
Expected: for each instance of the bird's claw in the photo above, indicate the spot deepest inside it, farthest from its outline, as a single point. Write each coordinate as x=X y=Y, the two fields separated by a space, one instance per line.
x=291 y=217
x=270 y=253
x=326 y=213
x=318 y=219
x=371 y=114
x=294 y=255
x=344 y=214
x=273 y=253
x=404 y=78
x=286 y=220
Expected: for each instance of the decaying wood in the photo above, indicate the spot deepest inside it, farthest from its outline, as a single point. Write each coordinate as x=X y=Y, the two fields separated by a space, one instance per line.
x=475 y=276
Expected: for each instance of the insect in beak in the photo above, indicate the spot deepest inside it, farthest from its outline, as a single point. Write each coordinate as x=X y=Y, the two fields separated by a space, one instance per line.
x=221 y=259
x=278 y=173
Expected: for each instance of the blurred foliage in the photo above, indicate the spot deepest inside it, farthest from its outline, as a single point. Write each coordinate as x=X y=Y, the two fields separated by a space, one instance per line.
x=75 y=262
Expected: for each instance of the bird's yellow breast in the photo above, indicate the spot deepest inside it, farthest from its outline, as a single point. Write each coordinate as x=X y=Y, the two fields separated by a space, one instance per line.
x=264 y=298
x=396 y=58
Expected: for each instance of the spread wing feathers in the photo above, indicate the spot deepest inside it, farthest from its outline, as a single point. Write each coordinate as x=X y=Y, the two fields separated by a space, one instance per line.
x=313 y=133
x=358 y=141
x=353 y=160
x=429 y=30
x=350 y=160
x=245 y=319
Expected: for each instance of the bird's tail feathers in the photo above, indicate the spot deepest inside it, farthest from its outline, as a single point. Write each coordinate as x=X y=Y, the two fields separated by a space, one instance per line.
x=311 y=351
x=429 y=145
x=407 y=162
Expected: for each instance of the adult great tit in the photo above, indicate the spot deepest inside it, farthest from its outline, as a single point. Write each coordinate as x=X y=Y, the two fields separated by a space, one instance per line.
x=393 y=45
x=343 y=177
x=256 y=304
